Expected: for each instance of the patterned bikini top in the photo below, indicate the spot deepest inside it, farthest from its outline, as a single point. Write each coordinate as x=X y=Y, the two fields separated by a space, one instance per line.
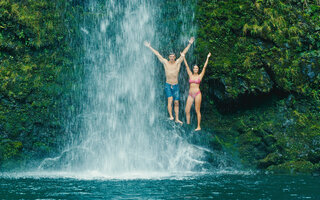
x=197 y=81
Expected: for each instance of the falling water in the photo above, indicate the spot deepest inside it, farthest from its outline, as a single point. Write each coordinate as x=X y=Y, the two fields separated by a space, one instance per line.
x=123 y=124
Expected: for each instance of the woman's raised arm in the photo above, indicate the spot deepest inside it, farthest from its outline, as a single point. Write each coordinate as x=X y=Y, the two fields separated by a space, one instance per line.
x=205 y=66
x=186 y=64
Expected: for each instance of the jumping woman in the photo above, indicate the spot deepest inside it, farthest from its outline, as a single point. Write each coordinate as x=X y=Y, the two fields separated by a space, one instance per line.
x=194 y=91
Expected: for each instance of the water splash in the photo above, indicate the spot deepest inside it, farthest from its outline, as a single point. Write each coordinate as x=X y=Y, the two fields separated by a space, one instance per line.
x=123 y=127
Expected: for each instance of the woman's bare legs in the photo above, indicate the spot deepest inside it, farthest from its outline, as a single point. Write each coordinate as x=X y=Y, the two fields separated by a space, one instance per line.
x=197 y=107
x=188 y=108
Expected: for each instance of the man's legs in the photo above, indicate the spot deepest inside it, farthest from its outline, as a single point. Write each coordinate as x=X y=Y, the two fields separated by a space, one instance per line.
x=170 y=99
x=176 y=111
x=169 y=95
x=176 y=98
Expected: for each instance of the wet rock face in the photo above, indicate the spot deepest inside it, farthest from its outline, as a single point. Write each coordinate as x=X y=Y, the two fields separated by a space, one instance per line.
x=263 y=49
x=9 y=150
x=273 y=158
x=225 y=91
x=294 y=167
x=283 y=137
x=36 y=74
x=259 y=47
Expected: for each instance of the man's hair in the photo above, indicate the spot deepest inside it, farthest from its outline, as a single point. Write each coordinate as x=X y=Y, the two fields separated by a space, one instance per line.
x=172 y=53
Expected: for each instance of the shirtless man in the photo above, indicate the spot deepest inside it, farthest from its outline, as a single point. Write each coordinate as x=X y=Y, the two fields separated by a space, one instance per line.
x=172 y=68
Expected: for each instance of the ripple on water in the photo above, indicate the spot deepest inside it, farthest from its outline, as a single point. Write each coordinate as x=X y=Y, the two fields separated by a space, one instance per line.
x=210 y=185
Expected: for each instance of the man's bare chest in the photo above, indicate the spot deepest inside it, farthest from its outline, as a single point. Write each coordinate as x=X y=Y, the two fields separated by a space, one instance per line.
x=172 y=68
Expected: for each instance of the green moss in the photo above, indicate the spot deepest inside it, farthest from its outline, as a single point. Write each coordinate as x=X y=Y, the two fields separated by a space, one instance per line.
x=216 y=143
x=249 y=138
x=274 y=158
x=294 y=167
x=270 y=135
x=262 y=52
x=9 y=150
x=269 y=139
x=258 y=46
x=35 y=72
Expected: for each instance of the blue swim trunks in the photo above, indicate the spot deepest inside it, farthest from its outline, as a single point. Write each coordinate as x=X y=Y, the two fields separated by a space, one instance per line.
x=172 y=91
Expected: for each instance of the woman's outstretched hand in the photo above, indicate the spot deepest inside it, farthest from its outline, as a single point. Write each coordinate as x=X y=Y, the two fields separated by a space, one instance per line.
x=147 y=44
x=209 y=54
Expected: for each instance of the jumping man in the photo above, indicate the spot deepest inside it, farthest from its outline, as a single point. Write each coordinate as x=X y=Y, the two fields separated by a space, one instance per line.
x=172 y=68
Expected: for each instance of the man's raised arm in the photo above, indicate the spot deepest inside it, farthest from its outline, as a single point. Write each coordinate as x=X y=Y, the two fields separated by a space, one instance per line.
x=161 y=59
x=187 y=48
x=180 y=59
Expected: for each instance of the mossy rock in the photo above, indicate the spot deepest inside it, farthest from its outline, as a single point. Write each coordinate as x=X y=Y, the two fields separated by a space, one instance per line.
x=10 y=153
x=269 y=140
x=41 y=149
x=9 y=149
x=249 y=138
x=240 y=127
x=314 y=156
x=216 y=143
x=274 y=158
x=38 y=41
x=259 y=46
x=250 y=155
x=294 y=167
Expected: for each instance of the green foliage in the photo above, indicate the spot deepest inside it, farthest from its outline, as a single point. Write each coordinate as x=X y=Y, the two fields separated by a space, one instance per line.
x=294 y=167
x=10 y=153
x=268 y=136
x=9 y=149
x=264 y=47
x=35 y=71
x=260 y=45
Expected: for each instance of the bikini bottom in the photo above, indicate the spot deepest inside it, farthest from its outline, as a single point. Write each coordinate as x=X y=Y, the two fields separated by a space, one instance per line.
x=193 y=95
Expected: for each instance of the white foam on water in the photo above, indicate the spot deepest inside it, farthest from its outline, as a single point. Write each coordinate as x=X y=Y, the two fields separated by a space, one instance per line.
x=96 y=175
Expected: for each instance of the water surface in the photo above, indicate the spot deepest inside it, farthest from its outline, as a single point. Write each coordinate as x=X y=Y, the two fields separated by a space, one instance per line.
x=236 y=185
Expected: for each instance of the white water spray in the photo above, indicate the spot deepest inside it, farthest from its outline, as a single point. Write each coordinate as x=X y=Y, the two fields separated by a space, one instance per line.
x=122 y=127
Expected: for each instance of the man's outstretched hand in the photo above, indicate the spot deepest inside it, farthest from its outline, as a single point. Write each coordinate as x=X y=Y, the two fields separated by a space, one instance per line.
x=147 y=44
x=191 y=40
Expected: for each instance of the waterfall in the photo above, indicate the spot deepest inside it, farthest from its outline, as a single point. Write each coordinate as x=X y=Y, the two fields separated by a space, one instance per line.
x=123 y=126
